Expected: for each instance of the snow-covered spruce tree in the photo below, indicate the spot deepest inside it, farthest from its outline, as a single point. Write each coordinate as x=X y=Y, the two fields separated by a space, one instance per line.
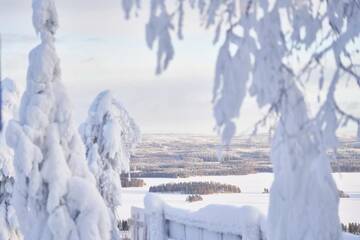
x=9 y=227
x=110 y=135
x=55 y=196
x=282 y=47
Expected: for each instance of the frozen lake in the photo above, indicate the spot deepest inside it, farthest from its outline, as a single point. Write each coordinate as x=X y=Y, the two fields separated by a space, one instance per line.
x=251 y=185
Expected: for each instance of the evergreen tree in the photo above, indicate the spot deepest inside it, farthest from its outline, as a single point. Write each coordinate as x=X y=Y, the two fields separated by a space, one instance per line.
x=9 y=226
x=110 y=135
x=55 y=195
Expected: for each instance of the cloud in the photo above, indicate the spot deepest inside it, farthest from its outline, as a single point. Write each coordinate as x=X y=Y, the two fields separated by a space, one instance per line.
x=14 y=38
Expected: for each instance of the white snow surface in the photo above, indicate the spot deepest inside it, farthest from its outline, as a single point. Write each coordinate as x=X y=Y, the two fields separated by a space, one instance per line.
x=251 y=186
x=245 y=221
x=348 y=236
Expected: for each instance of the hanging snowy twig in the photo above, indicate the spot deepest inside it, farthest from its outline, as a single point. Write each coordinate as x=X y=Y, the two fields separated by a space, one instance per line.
x=272 y=34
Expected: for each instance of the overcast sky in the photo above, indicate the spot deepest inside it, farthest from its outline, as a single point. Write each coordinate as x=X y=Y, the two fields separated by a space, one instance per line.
x=100 y=50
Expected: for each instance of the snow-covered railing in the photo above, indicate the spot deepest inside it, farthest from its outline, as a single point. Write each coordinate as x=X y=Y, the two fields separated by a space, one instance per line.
x=137 y=224
x=159 y=221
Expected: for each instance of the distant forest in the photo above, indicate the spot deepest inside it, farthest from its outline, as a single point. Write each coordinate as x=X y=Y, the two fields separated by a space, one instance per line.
x=201 y=188
x=133 y=182
x=176 y=156
x=353 y=228
x=194 y=198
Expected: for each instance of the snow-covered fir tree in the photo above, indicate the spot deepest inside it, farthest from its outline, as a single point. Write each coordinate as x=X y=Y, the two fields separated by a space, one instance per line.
x=282 y=46
x=110 y=135
x=9 y=226
x=55 y=195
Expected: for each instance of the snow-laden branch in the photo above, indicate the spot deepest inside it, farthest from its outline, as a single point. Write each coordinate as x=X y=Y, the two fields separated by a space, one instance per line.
x=282 y=45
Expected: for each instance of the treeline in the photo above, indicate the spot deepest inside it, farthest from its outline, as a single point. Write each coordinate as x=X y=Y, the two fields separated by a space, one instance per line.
x=220 y=170
x=194 y=198
x=353 y=228
x=342 y=194
x=124 y=225
x=206 y=171
x=150 y=174
x=133 y=182
x=202 y=188
x=345 y=166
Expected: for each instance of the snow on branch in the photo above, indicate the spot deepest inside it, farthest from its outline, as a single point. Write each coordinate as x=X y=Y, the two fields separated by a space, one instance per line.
x=9 y=224
x=112 y=129
x=295 y=26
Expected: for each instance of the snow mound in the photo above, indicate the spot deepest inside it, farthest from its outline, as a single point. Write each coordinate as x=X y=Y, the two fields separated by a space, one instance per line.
x=245 y=221
x=153 y=202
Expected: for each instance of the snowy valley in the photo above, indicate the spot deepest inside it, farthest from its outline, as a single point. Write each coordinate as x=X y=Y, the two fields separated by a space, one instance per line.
x=252 y=188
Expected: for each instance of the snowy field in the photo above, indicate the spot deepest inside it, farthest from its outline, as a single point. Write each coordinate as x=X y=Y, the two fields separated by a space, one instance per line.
x=251 y=185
